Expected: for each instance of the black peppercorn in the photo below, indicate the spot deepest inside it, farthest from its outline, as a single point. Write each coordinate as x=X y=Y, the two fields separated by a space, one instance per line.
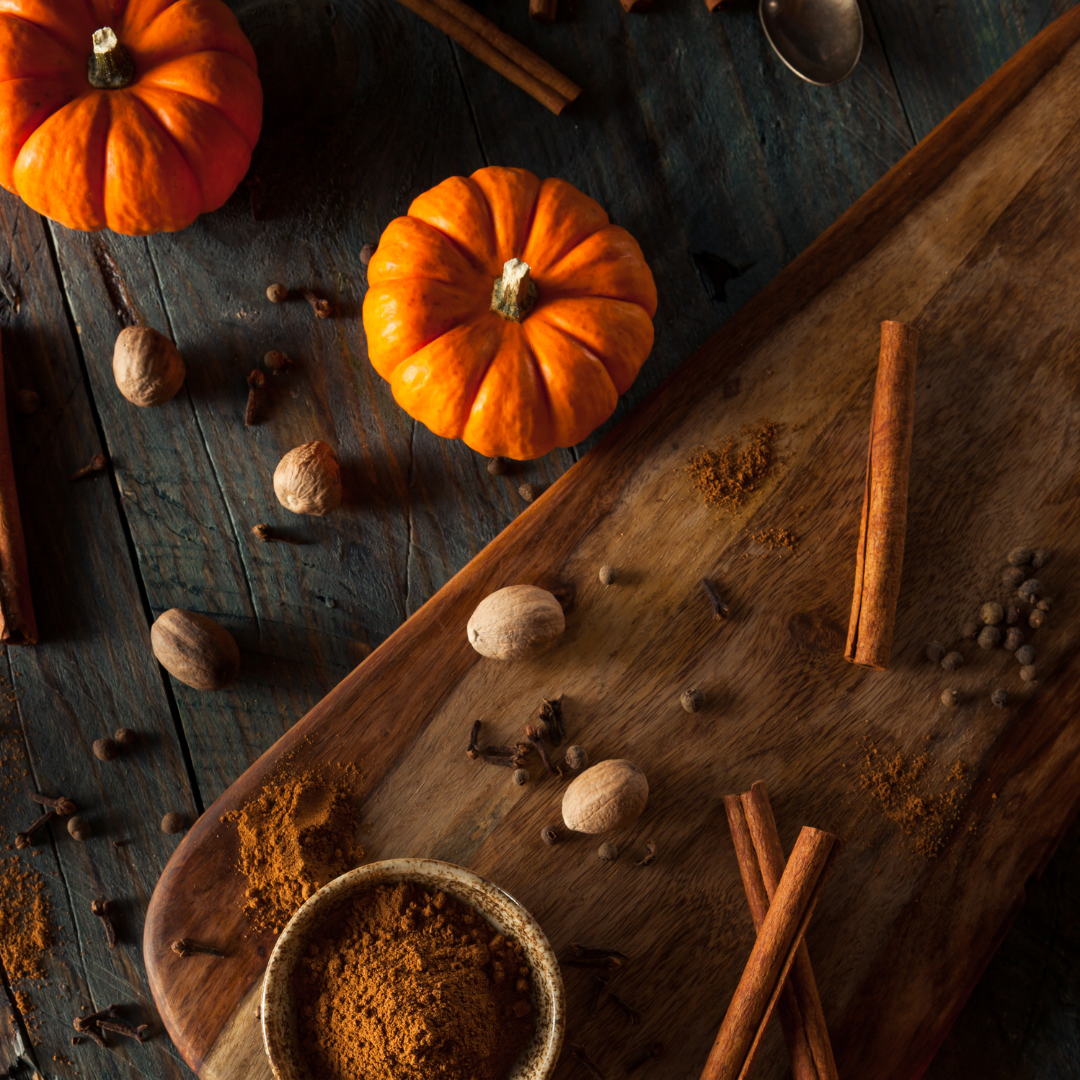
x=989 y=636
x=1026 y=655
x=935 y=651
x=1031 y=590
x=1039 y=558
x=1000 y=698
x=1019 y=556
x=953 y=661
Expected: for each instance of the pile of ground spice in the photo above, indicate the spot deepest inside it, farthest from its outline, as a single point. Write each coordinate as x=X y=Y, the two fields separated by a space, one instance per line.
x=403 y=984
x=299 y=834
x=728 y=475
x=26 y=929
x=903 y=790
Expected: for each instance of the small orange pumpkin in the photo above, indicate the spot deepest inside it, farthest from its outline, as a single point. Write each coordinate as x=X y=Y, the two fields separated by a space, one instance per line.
x=506 y=311
x=136 y=115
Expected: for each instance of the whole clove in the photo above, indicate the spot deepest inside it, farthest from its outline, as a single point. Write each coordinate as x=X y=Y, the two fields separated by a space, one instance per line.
x=26 y=837
x=578 y=1053
x=61 y=804
x=538 y=743
x=474 y=735
x=101 y=909
x=268 y=535
x=720 y=609
x=494 y=756
x=551 y=720
x=653 y=1053
x=97 y=464
x=320 y=306
x=632 y=1015
x=121 y=1027
x=187 y=947
x=256 y=381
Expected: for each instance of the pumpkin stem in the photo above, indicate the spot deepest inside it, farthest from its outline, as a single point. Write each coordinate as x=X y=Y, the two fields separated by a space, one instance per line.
x=110 y=66
x=514 y=293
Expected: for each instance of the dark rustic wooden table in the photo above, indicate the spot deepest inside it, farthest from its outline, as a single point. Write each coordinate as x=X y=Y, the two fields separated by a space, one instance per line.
x=689 y=131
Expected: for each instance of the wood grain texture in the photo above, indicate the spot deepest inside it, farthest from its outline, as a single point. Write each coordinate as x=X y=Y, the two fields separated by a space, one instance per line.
x=941 y=241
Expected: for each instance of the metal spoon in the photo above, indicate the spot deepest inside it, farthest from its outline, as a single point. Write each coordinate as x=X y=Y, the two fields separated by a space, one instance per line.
x=820 y=40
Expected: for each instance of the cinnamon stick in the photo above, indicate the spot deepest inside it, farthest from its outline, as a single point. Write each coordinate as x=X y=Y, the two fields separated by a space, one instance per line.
x=771 y=958
x=761 y=859
x=543 y=10
x=880 y=556
x=499 y=51
x=17 y=623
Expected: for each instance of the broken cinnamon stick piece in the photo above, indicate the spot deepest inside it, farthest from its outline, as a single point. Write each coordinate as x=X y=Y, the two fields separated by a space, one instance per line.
x=770 y=959
x=17 y=623
x=879 y=559
x=543 y=10
x=769 y=854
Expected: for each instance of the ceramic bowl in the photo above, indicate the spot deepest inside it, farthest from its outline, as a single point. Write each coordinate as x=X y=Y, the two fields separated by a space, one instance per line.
x=540 y=1056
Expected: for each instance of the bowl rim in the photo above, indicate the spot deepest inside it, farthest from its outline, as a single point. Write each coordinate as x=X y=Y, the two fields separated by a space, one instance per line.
x=278 y=971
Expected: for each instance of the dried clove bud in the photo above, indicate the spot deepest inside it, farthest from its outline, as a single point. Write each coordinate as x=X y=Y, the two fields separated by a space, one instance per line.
x=26 y=837
x=578 y=1053
x=187 y=947
x=277 y=293
x=632 y=1015
x=474 y=736
x=538 y=744
x=61 y=804
x=550 y=720
x=101 y=909
x=720 y=609
x=267 y=535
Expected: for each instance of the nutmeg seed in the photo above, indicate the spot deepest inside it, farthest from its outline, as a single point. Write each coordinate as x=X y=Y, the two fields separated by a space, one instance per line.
x=195 y=649
x=605 y=798
x=308 y=479
x=515 y=622
x=147 y=366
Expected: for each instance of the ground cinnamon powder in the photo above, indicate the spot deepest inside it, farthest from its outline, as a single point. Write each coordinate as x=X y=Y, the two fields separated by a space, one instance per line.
x=299 y=834
x=728 y=474
x=26 y=929
x=404 y=984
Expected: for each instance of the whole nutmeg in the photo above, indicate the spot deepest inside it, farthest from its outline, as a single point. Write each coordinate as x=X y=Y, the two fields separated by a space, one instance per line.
x=105 y=749
x=80 y=829
x=516 y=622
x=576 y=758
x=172 y=823
x=605 y=798
x=195 y=649
x=147 y=366
x=692 y=700
x=608 y=852
x=124 y=736
x=308 y=479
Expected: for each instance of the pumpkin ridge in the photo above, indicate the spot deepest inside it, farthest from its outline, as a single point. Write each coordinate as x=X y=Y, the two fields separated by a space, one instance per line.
x=531 y=221
x=179 y=149
x=458 y=247
x=531 y=353
x=37 y=26
x=149 y=85
x=586 y=349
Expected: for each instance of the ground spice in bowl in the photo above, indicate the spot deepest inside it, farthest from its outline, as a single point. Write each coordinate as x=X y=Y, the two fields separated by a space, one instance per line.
x=403 y=983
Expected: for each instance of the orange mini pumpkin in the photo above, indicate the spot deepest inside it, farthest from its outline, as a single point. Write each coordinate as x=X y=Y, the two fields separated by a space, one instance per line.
x=136 y=115
x=506 y=311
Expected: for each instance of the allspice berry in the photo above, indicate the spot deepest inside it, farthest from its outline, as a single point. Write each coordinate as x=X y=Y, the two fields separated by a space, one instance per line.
x=172 y=823
x=576 y=758
x=1012 y=577
x=1046 y=604
x=276 y=293
x=274 y=360
x=1026 y=655
x=1037 y=619
x=1012 y=614
x=989 y=636
x=1028 y=673
x=124 y=736
x=521 y=777
x=1019 y=556
x=79 y=828
x=308 y=479
x=607 y=575
x=949 y=697
x=1030 y=591
x=27 y=402
x=991 y=613
x=550 y=835
x=1039 y=558
x=935 y=651
x=147 y=366
x=194 y=649
x=692 y=700
x=1014 y=638
x=952 y=661
x=515 y=623
x=367 y=253
x=529 y=492
x=1000 y=698
x=970 y=629
x=496 y=466
x=105 y=749
x=608 y=852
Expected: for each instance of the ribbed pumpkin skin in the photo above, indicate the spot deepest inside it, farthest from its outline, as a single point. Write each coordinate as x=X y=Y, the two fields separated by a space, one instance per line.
x=149 y=157
x=507 y=388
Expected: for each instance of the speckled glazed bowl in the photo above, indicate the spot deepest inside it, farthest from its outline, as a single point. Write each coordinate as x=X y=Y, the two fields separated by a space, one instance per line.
x=537 y=1060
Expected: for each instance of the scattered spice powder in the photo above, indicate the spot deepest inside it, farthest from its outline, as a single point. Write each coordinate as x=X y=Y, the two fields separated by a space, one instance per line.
x=299 y=834
x=26 y=930
x=777 y=538
x=727 y=475
x=405 y=984
x=902 y=790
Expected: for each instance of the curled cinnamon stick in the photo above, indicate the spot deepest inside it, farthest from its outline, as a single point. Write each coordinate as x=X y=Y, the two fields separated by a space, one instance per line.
x=17 y=623
x=762 y=980
x=880 y=556
x=499 y=51
x=761 y=864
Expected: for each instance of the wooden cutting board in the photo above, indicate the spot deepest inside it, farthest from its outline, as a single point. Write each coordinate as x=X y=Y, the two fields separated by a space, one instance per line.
x=975 y=237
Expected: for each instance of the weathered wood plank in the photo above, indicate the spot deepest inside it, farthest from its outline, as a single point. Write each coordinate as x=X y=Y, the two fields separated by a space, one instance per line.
x=91 y=673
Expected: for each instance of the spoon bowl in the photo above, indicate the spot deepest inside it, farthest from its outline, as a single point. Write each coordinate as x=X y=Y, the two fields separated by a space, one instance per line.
x=820 y=40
